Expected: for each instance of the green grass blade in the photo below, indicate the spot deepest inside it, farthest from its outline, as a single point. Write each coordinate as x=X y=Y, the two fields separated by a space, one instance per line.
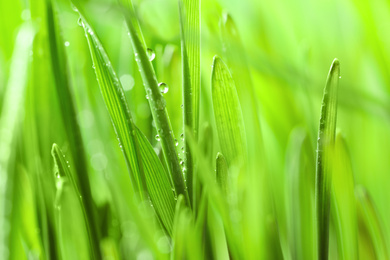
x=157 y=105
x=117 y=107
x=343 y=201
x=63 y=172
x=370 y=221
x=326 y=139
x=158 y=183
x=222 y=173
x=228 y=115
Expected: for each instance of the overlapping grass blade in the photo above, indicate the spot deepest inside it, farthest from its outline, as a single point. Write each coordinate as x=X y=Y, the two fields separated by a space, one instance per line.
x=343 y=206
x=222 y=173
x=10 y=121
x=370 y=225
x=325 y=146
x=68 y=113
x=156 y=101
x=189 y=12
x=145 y=167
x=228 y=115
x=63 y=173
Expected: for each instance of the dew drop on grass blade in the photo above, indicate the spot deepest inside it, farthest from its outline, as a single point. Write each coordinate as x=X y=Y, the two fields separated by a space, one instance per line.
x=325 y=145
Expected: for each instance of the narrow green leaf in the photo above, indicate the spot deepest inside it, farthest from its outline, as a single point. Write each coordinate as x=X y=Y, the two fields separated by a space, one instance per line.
x=326 y=140
x=370 y=221
x=117 y=107
x=228 y=115
x=157 y=103
x=222 y=173
x=190 y=51
x=63 y=172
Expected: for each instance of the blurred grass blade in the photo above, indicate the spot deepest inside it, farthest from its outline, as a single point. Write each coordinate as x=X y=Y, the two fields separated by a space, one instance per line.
x=63 y=173
x=10 y=120
x=370 y=222
x=116 y=104
x=190 y=53
x=326 y=140
x=343 y=206
x=222 y=173
x=68 y=112
x=228 y=115
x=157 y=104
x=158 y=183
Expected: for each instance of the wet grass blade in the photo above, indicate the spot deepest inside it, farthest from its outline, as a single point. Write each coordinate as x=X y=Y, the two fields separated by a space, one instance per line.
x=157 y=103
x=326 y=140
x=370 y=222
x=228 y=115
x=343 y=206
x=117 y=107
x=222 y=173
x=63 y=172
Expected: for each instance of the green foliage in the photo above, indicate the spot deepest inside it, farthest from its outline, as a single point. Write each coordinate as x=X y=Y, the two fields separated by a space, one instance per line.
x=153 y=160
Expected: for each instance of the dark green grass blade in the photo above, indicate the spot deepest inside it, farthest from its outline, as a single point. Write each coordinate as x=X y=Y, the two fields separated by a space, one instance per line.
x=72 y=129
x=370 y=222
x=117 y=107
x=158 y=183
x=343 y=206
x=228 y=115
x=63 y=171
x=157 y=103
x=326 y=139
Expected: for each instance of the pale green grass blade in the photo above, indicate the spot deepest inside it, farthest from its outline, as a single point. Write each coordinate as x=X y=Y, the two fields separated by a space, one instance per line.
x=326 y=140
x=370 y=221
x=63 y=174
x=343 y=204
x=299 y=198
x=117 y=107
x=157 y=104
x=228 y=115
x=222 y=173
x=10 y=122
x=158 y=183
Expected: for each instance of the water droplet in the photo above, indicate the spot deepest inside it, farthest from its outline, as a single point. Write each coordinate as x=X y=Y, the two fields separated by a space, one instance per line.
x=182 y=137
x=158 y=138
x=147 y=97
x=339 y=77
x=181 y=163
x=80 y=22
x=163 y=87
x=151 y=54
x=182 y=106
x=67 y=44
x=176 y=142
x=161 y=103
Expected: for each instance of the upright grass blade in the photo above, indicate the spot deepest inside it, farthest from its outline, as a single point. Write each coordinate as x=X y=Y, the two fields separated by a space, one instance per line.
x=63 y=172
x=370 y=221
x=68 y=113
x=228 y=115
x=145 y=167
x=157 y=103
x=325 y=146
x=10 y=122
x=222 y=173
x=343 y=206
x=189 y=12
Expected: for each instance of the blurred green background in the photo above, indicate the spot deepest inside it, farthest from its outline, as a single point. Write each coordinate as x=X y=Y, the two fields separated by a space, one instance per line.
x=288 y=47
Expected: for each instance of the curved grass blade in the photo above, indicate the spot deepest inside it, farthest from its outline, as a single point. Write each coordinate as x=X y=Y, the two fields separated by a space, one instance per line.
x=117 y=107
x=369 y=218
x=157 y=103
x=228 y=115
x=343 y=201
x=63 y=172
x=325 y=145
x=157 y=182
x=189 y=12
x=145 y=168
x=222 y=173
